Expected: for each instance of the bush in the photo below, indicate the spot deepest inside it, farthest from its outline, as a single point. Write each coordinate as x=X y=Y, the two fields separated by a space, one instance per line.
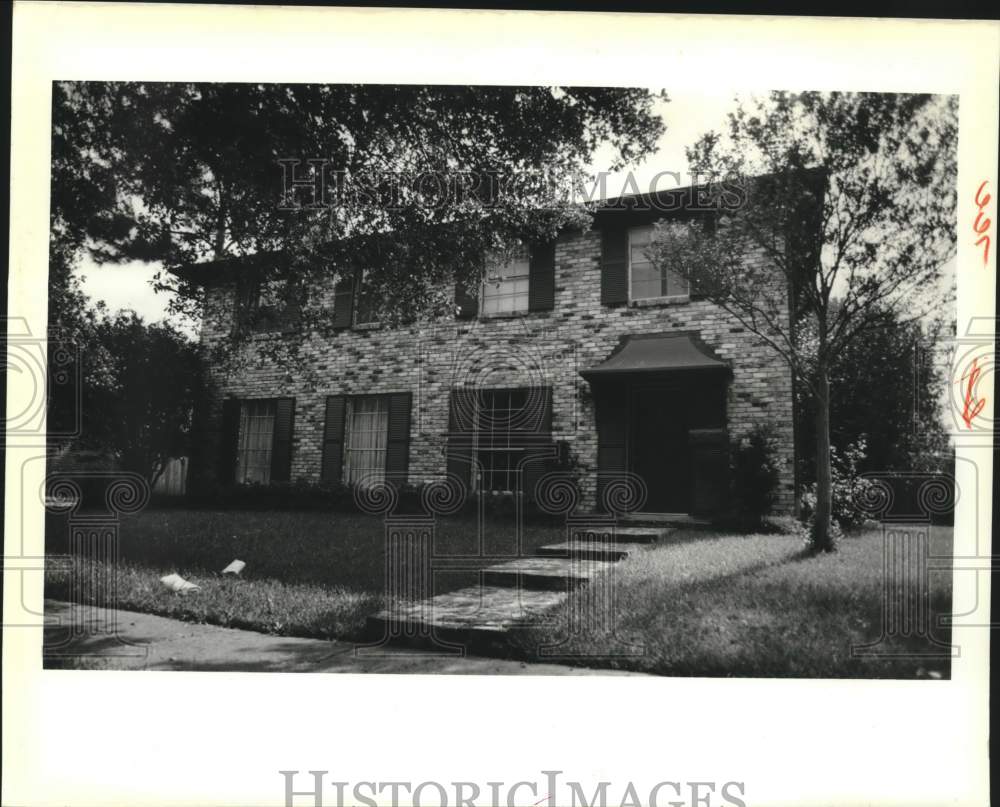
x=754 y=476
x=848 y=489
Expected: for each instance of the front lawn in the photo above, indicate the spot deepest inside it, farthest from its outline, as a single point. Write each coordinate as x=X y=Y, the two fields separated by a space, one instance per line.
x=307 y=574
x=749 y=605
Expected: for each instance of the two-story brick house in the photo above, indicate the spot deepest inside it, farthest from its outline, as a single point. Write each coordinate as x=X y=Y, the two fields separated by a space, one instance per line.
x=579 y=351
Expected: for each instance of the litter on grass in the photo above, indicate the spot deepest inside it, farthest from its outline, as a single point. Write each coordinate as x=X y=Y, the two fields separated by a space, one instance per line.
x=235 y=568
x=177 y=583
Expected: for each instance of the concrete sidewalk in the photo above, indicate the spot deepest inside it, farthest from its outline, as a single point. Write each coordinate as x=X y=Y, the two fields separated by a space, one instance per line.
x=148 y=642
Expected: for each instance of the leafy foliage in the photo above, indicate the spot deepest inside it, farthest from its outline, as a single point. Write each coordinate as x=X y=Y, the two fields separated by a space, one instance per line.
x=137 y=389
x=419 y=180
x=890 y=386
x=851 y=219
x=848 y=488
x=754 y=476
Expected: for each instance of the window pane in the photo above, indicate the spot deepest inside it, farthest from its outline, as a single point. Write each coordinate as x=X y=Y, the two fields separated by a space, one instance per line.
x=676 y=285
x=505 y=288
x=367 y=426
x=366 y=307
x=646 y=281
x=500 y=435
x=255 y=441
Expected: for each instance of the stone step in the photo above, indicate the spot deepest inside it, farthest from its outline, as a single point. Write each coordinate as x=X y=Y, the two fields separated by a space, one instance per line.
x=665 y=520
x=558 y=574
x=594 y=550
x=478 y=617
x=624 y=534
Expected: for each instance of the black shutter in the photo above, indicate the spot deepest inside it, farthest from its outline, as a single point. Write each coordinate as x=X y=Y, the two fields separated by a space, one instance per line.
x=466 y=304
x=612 y=437
x=461 y=429
x=614 y=266
x=542 y=277
x=343 y=303
x=709 y=469
x=229 y=438
x=333 y=439
x=397 y=454
x=281 y=445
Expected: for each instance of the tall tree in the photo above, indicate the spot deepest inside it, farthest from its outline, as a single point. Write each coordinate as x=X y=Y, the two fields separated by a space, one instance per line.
x=891 y=387
x=854 y=211
x=140 y=408
x=179 y=173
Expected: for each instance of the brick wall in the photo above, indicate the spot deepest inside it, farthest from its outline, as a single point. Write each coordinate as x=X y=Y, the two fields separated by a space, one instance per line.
x=537 y=348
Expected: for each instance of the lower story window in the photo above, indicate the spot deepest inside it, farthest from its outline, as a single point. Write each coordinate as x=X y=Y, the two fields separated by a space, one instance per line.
x=366 y=437
x=256 y=438
x=500 y=438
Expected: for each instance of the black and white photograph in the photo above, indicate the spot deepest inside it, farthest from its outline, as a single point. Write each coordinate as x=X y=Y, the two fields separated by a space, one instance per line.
x=474 y=370
x=638 y=382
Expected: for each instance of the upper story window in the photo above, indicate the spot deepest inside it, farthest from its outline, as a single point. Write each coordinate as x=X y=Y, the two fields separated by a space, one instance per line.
x=522 y=282
x=646 y=280
x=355 y=303
x=268 y=304
x=365 y=301
x=507 y=284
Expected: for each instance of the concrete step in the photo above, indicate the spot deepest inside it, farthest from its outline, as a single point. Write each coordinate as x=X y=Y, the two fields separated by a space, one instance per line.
x=593 y=550
x=624 y=534
x=665 y=520
x=548 y=573
x=479 y=618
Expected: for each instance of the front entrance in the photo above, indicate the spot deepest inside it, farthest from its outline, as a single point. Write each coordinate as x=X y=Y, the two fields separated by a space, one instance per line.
x=660 y=452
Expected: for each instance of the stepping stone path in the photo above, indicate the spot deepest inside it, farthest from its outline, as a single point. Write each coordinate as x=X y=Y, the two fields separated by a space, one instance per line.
x=513 y=594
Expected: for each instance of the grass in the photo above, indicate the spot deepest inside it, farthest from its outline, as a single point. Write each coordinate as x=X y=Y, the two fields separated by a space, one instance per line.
x=749 y=605
x=308 y=573
x=704 y=604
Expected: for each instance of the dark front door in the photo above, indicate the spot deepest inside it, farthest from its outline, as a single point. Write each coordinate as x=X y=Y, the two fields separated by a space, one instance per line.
x=660 y=454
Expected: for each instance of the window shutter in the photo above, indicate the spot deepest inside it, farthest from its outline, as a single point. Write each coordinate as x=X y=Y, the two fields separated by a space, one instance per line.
x=709 y=469
x=612 y=438
x=614 y=266
x=333 y=439
x=397 y=454
x=230 y=434
x=467 y=305
x=343 y=303
x=281 y=445
x=461 y=424
x=542 y=277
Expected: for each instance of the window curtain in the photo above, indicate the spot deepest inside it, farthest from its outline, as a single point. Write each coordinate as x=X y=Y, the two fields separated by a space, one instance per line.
x=255 y=442
x=367 y=437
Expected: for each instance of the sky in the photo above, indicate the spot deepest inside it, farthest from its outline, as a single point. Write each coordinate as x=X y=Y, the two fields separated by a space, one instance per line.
x=128 y=285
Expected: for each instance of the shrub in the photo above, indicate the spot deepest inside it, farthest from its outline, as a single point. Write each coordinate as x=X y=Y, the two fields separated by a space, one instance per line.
x=848 y=489
x=754 y=476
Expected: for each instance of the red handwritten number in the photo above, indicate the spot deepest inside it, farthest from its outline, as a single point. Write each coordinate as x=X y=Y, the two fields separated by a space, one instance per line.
x=973 y=405
x=981 y=225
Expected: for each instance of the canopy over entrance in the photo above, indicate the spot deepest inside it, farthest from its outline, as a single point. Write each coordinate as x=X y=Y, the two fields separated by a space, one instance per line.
x=656 y=353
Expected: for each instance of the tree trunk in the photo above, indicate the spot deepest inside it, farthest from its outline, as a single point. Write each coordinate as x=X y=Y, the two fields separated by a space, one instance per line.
x=822 y=539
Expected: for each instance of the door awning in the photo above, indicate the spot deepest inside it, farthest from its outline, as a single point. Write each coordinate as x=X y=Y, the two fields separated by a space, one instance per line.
x=657 y=353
